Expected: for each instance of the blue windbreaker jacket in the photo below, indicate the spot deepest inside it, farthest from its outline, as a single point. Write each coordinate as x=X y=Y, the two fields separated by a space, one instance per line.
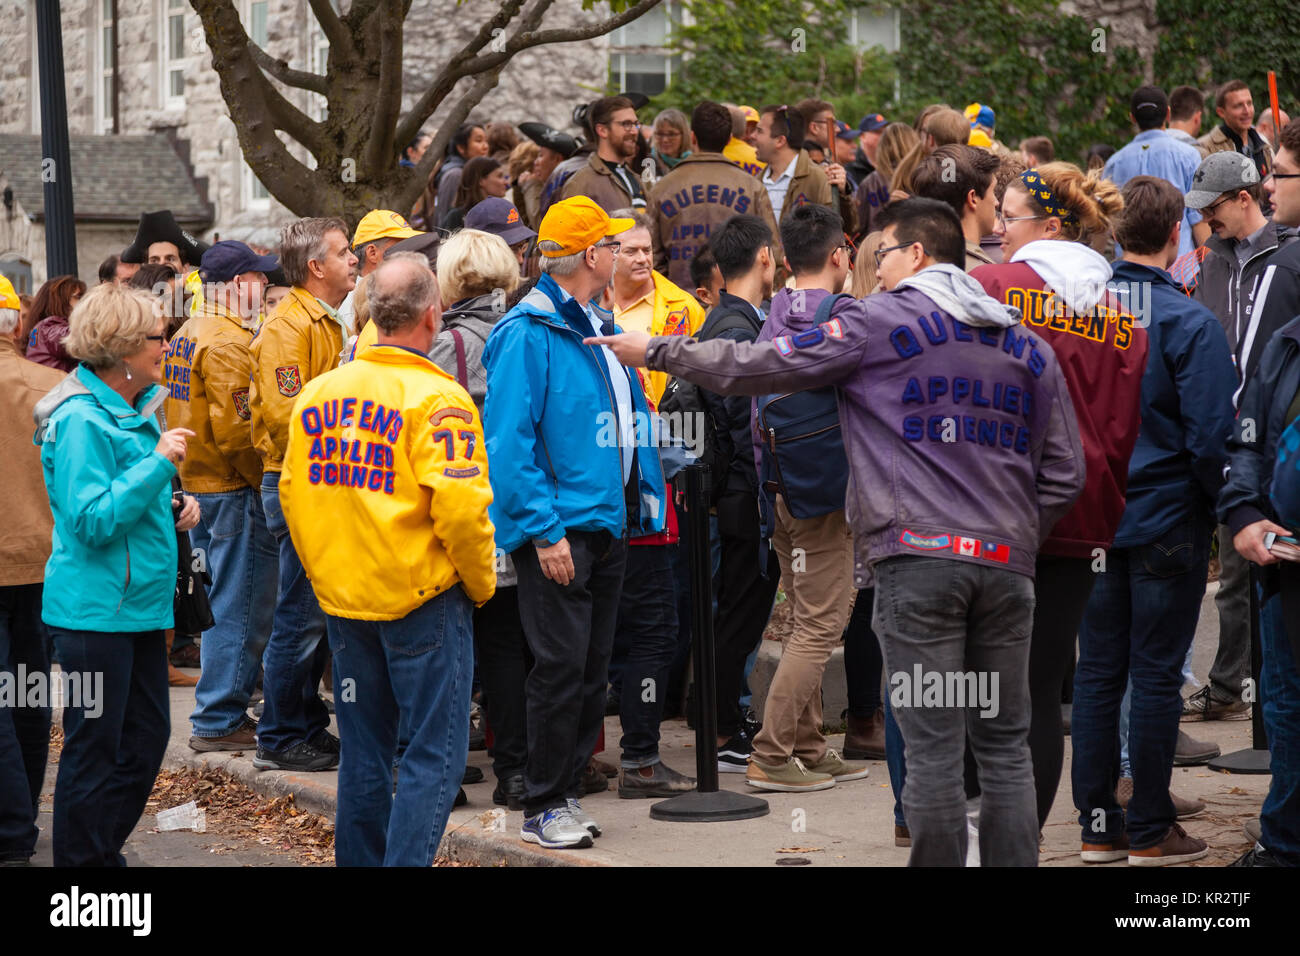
x=548 y=420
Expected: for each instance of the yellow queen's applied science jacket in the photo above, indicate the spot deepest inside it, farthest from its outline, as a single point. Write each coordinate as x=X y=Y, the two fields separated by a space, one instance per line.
x=385 y=487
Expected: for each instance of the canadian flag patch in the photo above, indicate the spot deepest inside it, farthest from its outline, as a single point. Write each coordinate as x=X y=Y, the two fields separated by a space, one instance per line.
x=967 y=547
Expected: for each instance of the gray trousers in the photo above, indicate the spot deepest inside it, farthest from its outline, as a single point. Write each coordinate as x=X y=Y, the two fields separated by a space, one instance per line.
x=960 y=630
x=1232 y=660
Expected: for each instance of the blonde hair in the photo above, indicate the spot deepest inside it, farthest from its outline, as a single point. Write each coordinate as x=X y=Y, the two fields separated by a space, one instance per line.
x=896 y=142
x=864 y=275
x=110 y=323
x=1095 y=202
x=473 y=262
x=521 y=159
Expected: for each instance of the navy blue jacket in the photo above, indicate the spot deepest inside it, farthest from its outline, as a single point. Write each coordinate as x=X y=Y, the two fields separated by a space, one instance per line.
x=1261 y=419
x=1176 y=470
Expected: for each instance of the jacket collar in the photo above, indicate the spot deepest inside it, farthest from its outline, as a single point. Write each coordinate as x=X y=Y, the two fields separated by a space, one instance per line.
x=1123 y=269
x=313 y=306
x=146 y=404
x=734 y=303
x=209 y=309
x=381 y=354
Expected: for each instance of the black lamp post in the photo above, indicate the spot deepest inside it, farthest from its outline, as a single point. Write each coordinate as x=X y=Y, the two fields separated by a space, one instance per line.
x=56 y=163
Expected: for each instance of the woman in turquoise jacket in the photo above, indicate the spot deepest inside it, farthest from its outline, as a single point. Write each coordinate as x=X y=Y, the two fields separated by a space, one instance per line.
x=111 y=576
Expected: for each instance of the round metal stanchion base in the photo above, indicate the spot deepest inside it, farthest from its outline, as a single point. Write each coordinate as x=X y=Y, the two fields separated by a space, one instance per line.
x=696 y=807
x=1242 y=761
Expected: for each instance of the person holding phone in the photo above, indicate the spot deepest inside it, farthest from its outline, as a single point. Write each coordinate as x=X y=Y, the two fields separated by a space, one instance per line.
x=111 y=578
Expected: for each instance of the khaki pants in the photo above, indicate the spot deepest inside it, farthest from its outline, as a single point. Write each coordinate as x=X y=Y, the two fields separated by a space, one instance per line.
x=816 y=557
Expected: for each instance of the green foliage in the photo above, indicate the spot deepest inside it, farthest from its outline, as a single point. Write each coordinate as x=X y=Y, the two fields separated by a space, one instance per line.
x=760 y=52
x=1208 y=42
x=1042 y=72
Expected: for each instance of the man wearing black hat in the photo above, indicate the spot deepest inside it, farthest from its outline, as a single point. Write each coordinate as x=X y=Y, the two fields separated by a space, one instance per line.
x=159 y=238
x=868 y=136
x=206 y=372
x=554 y=148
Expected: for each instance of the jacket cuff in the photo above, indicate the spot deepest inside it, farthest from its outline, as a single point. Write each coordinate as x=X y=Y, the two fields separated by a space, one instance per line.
x=553 y=535
x=1243 y=515
x=655 y=352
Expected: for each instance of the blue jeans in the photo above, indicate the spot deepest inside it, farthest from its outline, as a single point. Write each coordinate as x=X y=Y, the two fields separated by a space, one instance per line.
x=1279 y=695
x=293 y=711
x=936 y=615
x=243 y=563
x=1140 y=621
x=416 y=670
x=647 y=629
x=111 y=759
x=24 y=730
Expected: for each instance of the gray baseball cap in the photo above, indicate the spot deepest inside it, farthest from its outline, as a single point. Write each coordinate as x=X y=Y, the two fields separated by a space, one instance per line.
x=1220 y=173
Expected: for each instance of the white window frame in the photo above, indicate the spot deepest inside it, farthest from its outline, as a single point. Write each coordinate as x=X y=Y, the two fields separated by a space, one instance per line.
x=167 y=64
x=893 y=13
x=619 y=50
x=248 y=20
x=256 y=196
x=103 y=68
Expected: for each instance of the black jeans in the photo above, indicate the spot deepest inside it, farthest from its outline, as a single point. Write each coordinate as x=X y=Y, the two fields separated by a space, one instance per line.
x=570 y=630
x=503 y=665
x=863 y=662
x=647 y=629
x=113 y=745
x=24 y=730
x=1062 y=587
x=744 y=601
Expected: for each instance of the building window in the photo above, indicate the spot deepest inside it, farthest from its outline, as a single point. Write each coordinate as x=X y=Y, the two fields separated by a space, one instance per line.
x=106 y=56
x=318 y=52
x=257 y=195
x=257 y=22
x=175 y=54
x=868 y=29
x=639 y=61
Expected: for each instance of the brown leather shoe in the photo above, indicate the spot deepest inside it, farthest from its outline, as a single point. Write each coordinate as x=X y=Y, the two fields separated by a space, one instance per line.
x=609 y=770
x=593 y=781
x=1183 y=807
x=187 y=656
x=1176 y=847
x=1105 y=852
x=902 y=836
x=243 y=737
x=865 y=737
x=179 y=678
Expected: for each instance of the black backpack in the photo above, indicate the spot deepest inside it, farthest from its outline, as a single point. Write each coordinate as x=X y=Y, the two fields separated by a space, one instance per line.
x=802 y=446
x=683 y=401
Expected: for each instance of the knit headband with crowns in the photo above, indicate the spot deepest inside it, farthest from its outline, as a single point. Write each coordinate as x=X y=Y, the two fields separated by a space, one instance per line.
x=1044 y=196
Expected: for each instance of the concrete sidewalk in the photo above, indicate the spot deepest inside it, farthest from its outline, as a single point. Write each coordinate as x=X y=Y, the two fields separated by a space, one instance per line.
x=849 y=825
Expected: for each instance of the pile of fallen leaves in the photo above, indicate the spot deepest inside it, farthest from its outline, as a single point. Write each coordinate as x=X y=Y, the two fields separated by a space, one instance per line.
x=237 y=815
x=235 y=812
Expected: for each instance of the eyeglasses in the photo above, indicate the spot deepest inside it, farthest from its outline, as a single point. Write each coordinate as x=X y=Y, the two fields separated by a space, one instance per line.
x=156 y=338
x=1004 y=220
x=1205 y=211
x=1280 y=176
x=626 y=124
x=881 y=253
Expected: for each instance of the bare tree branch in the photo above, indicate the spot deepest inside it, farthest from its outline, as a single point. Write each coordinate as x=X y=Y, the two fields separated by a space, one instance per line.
x=299 y=79
x=446 y=79
x=388 y=98
x=526 y=38
x=338 y=35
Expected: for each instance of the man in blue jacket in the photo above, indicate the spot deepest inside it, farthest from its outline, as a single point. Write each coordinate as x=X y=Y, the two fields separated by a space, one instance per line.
x=569 y=482
x=1141 y=617
x=1245 y=506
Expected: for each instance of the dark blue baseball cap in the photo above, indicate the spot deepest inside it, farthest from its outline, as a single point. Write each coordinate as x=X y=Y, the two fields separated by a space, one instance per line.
x=499 y=217
x=228 y=258
x=872 y=122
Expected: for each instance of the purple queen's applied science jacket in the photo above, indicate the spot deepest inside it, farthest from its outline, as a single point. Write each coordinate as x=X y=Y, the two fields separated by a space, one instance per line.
x=957 y=421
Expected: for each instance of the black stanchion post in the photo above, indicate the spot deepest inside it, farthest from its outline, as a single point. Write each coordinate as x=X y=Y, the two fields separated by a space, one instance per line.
x=706 y=803
x=1254 y=760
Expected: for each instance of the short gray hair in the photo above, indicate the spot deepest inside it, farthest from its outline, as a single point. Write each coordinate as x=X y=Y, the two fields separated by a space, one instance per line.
x=8 y=321
x=400 y=290
x=639 y=219
x=559 y=266
x=302 y=241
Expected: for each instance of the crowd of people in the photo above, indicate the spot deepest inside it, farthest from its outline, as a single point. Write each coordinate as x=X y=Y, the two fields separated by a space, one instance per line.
x=982 y=414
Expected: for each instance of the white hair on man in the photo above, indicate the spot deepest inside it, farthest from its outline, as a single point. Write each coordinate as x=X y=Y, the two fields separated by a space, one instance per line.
x=400 y=290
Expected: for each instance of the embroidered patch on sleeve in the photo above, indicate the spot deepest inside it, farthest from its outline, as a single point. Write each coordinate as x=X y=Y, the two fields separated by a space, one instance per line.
x=240 y=397
x=451 y=412
x=288 y=380
x=461 y=472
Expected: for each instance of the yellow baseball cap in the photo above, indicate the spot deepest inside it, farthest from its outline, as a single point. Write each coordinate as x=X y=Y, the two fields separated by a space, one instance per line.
x=751 y=114
x=979 y=138
x=577 y=223
x=8 y=297
x=382 y=224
